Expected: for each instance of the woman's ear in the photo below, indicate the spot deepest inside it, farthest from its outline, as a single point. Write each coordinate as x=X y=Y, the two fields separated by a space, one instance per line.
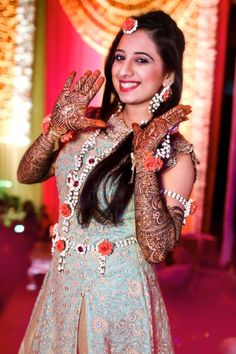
x=169 y=79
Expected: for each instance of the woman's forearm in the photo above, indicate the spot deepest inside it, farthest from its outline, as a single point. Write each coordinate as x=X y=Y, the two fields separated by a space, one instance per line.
x=37 y=160
x=158 y=227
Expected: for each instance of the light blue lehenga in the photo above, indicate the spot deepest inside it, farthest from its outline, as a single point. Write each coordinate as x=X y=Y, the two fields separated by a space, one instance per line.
x=124 y=308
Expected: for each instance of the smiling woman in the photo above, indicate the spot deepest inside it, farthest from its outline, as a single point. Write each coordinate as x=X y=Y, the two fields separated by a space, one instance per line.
x=138 y=72
x=123 y=187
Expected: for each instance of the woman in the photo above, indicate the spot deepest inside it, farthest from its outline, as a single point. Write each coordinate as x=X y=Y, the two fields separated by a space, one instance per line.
x=123 y=192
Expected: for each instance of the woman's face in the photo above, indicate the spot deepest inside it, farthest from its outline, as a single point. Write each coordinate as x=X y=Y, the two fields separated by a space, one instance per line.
x=138 y=70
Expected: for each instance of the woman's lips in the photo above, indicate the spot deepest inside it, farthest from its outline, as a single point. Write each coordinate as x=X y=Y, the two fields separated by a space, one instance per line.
x=126 y=86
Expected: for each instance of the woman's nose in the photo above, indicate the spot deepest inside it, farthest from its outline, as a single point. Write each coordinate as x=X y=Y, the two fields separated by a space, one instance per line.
x=126 y=68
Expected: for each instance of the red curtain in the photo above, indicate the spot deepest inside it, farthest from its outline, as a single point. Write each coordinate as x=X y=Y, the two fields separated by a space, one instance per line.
x=65 y=52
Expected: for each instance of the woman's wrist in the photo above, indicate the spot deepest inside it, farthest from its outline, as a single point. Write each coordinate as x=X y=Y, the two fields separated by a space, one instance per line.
x=147 y=162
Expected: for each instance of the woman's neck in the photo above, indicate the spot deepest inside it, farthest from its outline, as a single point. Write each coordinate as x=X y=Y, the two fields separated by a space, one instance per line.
x=135 y=114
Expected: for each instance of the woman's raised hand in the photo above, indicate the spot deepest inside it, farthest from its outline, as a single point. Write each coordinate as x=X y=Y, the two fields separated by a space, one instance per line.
x=69 y=110
x=147 y=139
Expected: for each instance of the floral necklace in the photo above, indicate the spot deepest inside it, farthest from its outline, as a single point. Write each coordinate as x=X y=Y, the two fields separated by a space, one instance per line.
x=75 y=181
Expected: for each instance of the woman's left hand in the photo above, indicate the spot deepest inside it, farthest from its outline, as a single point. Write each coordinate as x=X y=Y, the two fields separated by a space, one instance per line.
x=146 y=140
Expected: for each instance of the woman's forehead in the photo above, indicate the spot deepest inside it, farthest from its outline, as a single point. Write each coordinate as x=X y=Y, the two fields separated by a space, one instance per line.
x=139 y=41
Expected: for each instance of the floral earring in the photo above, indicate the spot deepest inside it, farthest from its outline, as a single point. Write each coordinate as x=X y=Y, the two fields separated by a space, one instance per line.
x=119 y=107
x=158 y=98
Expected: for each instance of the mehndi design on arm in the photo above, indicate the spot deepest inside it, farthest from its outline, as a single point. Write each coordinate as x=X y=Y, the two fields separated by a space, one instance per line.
x=158 y=227
x=37 y=160
x=68 y=115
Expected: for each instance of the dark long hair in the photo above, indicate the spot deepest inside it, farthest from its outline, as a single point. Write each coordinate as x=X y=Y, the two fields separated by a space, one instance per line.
x=170 y=44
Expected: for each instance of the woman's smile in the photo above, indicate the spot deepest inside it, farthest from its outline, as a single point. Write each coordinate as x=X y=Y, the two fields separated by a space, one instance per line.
x=126 y=86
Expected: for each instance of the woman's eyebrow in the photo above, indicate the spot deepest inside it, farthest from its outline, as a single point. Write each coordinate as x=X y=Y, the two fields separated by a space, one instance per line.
x=137 y=53
x=143 y=53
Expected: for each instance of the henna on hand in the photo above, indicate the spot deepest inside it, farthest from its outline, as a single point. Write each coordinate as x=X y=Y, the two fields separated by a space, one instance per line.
x=70 y=107
x=37 y=160
x=158 y=227
x=149 y=138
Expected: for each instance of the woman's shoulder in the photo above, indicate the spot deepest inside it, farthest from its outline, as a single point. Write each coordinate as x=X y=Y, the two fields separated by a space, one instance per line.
x=181 y=146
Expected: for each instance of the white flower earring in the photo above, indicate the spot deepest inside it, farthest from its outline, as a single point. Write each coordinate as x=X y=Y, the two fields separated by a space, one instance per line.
x=158 y=98
x=119 y=107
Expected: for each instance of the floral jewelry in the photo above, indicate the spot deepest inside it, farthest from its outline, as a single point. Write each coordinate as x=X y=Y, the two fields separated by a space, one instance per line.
x=190 y=206
x=119 y=107
x=155 y=163
x=46 y=124
x=158 y=98
x=152 y=163
x=165 y=149
x=75 y=180
x=61 y=244
x=47 y=128
x=129 y=26
x=104 y=248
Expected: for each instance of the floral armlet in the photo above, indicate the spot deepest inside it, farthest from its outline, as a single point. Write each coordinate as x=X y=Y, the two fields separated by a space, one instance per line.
x=47 y=128
x=190 y=206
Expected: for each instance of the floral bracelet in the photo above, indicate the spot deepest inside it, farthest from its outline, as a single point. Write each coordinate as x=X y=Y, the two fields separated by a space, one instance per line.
x=152 y=163
x=47 y=128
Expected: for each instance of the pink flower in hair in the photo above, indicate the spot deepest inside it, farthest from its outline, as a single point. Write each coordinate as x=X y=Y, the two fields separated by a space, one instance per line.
x=129 y=25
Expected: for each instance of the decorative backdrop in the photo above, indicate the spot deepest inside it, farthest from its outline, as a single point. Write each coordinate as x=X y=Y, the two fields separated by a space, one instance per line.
x=94 y=22
x=198 y=20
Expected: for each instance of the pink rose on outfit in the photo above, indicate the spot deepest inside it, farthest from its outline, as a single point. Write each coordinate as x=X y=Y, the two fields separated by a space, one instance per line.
x=65 y=210
x=105 y=247
x=60 y=245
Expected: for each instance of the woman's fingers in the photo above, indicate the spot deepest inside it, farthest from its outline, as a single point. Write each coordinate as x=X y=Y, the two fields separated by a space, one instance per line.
x=168 y=120
x=69 y=81
x=96 y=87
x=89 y=83
x=89 y=123
x=86 y=82
x=82 y=80
x=97 y=123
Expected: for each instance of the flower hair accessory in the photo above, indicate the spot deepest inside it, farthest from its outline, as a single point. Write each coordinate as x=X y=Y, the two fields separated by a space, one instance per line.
x=130 y=25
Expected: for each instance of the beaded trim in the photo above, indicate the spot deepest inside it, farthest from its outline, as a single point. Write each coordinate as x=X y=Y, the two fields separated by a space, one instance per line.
x=75 y=182
x=165 y=149
x=186 y=203
x=103 y=248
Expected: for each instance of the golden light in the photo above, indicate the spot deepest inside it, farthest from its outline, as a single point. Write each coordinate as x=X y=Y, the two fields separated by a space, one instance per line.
x=16 y=59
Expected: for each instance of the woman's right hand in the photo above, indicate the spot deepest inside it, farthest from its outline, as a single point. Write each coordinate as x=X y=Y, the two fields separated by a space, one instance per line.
x=69 y=110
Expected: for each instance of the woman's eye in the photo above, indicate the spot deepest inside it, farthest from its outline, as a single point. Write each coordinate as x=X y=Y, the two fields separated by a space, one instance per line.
x=119 y=57
x=142 y=60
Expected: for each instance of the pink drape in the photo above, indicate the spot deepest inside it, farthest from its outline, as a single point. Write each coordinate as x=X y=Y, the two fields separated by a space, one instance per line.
x=229 y=237
x=65 y=52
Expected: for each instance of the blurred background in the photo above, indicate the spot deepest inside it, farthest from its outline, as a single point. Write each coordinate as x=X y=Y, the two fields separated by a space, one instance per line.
x=41 y=42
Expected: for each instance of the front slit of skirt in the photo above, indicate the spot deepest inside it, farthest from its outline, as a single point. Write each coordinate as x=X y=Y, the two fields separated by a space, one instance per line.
x=82 y=342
